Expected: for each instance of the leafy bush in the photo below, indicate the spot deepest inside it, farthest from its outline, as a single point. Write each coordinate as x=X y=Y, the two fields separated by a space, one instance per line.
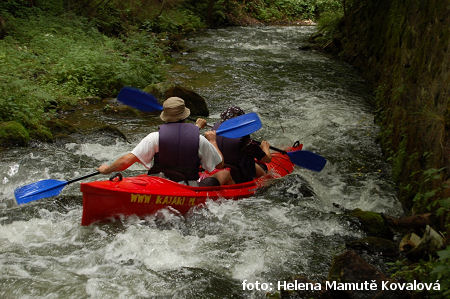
x=61 y=58
x=441 y=271
x=435 y=269
x=212 y=13
x=323 y=6
x=270 y=10
x=297 y=8
x=329 y=22
x=174 y=21
x=268 y=14
x=432 y=200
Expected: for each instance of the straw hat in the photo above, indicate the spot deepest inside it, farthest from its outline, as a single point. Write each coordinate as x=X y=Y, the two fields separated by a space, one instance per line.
x=174 y=110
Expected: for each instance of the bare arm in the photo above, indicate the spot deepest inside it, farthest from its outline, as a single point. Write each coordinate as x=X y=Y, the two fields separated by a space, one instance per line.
x=211 y=136
x=120 y=164
x=265 y=147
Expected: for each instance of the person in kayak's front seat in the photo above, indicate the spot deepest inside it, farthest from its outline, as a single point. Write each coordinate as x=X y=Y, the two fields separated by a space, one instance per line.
x=244 y=157
x=177 y=150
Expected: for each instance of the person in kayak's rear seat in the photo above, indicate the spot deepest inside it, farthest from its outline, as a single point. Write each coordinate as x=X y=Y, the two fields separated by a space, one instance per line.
x=244 y=157
x=177 y=150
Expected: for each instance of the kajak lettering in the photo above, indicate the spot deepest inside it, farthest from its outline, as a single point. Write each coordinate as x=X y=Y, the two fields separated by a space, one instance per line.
x=162 y=200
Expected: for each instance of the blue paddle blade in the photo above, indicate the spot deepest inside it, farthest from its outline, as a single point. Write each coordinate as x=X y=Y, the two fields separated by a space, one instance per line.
x=38 y=190
x=240 y=126
x=138 y=99
x=307 y=160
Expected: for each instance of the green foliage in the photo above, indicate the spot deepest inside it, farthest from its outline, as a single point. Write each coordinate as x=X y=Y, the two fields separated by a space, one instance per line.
x=17 y=8
x=211 y=12
x=300 y=9
x=218 y=12
x=444 y=206
x=428 y=200
x=441 y=270
x=297 y=8
x=103 y=68
x=108 y=20
x=398 y=159
x=405 y=270
x=174 y=21
x=323 y=6
x=329 y=22
x=54 y=6
x=269 y=11
x=62 y=58
x=430 y=271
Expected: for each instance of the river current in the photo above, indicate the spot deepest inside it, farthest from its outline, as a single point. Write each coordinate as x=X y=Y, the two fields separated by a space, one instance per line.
x=295 y=226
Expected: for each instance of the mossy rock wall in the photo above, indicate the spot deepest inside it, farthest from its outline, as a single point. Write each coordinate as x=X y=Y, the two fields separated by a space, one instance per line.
x=402 y=47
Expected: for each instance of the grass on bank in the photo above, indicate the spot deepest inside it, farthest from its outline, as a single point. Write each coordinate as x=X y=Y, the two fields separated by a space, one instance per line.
x=49 y=61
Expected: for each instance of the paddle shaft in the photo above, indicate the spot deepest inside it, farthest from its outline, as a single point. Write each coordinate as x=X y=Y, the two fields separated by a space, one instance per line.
x=271 y=147
x=83 y=177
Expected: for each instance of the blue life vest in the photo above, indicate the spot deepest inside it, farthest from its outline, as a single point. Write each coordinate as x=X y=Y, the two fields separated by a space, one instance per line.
x=178 y=152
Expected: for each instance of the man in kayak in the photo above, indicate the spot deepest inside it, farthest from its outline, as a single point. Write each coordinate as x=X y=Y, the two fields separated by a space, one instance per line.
x=245 y=157
x=177 y=150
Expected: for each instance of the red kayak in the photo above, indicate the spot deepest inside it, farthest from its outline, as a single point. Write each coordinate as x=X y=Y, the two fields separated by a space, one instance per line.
x=144 y=195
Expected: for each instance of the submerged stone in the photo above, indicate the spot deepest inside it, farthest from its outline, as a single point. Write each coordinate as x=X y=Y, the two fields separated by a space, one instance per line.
x=375 y=245
x=113 y=131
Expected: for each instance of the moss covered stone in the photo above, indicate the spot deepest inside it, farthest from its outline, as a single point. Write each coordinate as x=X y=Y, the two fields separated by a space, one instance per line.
x=42 y=133
x=372 y=223
x=13 y=133
x=58 y=126
x=159 y=89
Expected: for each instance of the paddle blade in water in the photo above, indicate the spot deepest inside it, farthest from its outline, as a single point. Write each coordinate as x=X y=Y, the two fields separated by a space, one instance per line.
x=240 y=126
x=38 y=190
x=138 y=99
x=308 y=160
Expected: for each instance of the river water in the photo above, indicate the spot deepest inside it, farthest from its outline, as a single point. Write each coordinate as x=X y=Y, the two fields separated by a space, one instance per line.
x=295 y=226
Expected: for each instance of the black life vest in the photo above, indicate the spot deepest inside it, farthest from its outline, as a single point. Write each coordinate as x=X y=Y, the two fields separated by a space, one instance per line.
x=178 y=152
x=242 y=166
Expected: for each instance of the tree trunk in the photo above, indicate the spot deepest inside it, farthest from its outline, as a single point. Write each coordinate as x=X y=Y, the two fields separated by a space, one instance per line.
x=210 y=11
